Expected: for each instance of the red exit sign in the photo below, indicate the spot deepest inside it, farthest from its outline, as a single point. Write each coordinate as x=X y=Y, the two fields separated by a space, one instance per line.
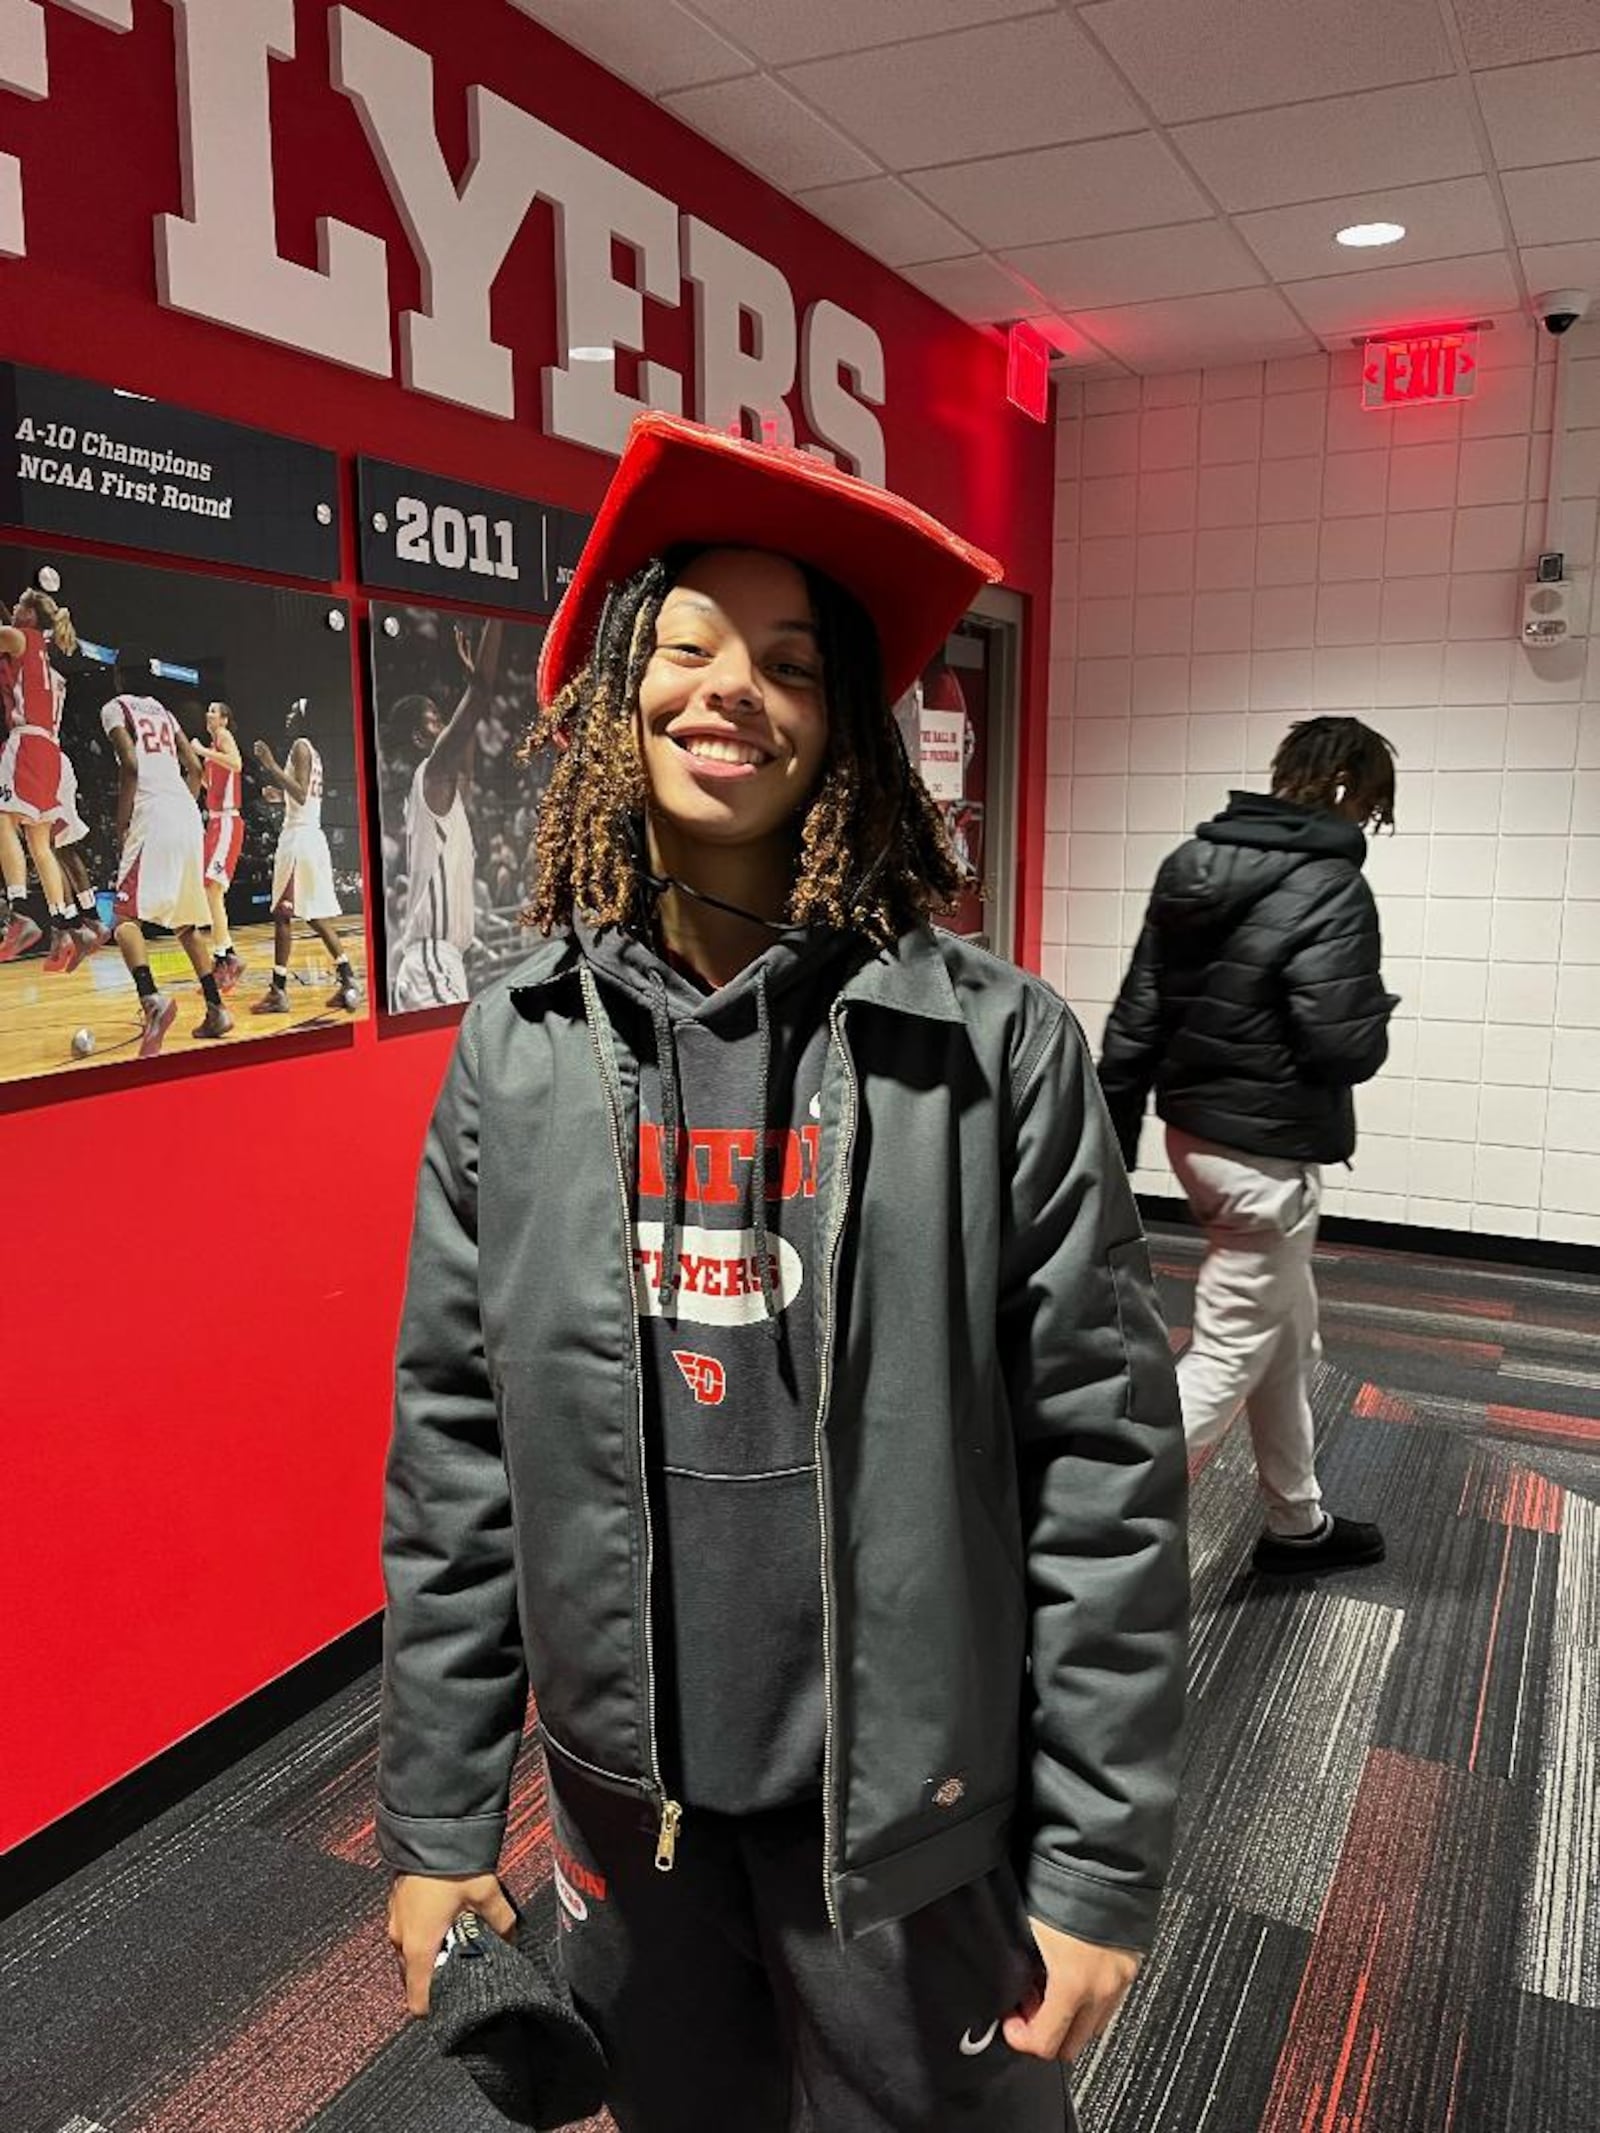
x=1028 y=371
x=1416 y=369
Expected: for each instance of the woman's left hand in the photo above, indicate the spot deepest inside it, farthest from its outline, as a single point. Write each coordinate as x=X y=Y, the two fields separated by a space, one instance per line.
x=1084 y=1988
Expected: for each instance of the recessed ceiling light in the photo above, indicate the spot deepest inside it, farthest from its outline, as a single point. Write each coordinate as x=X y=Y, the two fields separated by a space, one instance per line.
x=590 y=355
x=1368 y=233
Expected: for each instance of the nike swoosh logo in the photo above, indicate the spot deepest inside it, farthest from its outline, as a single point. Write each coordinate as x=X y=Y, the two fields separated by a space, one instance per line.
x=971 y=2046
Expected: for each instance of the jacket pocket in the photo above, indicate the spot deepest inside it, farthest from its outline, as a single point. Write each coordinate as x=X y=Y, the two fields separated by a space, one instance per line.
x=1145 y=1345
x=590 y=1770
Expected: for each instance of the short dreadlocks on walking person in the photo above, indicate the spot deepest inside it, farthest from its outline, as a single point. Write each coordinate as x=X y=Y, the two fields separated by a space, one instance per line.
x=587 y=849
x=1319 y=756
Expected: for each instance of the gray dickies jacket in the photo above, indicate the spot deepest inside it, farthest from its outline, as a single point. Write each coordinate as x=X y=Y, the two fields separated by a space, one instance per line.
x=1000 y=1456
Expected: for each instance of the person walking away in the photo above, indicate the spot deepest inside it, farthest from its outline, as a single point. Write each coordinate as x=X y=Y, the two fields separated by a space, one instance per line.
x=1253 y=1006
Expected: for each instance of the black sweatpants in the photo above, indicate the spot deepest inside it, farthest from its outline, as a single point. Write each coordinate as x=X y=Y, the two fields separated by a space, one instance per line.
x=726 y=2005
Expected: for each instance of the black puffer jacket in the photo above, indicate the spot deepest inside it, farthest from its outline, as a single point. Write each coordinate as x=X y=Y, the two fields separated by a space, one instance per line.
x=1253 y=1003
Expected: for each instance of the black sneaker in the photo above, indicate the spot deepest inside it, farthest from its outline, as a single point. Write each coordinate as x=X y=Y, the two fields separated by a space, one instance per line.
x=1347 y=1544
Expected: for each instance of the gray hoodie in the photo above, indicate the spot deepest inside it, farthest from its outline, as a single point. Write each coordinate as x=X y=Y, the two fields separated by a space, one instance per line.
x=724 y=1184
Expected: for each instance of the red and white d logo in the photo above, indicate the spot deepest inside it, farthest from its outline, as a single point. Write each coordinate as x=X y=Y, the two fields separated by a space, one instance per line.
x=704 y=1376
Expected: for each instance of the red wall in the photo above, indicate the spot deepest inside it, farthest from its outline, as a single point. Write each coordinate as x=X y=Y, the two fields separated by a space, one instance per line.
x=196 y=1382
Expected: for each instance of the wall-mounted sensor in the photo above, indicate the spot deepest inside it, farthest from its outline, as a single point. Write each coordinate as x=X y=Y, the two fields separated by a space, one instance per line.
x=1550 y=568
x=1546 y=612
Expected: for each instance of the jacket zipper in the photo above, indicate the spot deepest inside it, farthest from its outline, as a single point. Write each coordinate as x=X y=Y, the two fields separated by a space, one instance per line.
x=824 y=1386
x=671 y=1810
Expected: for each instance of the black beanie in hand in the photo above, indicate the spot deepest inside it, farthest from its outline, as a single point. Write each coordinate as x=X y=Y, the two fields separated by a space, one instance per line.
x=504 y=2013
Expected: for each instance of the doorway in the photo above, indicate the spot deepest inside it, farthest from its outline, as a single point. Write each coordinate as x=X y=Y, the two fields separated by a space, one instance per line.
x=968 y=709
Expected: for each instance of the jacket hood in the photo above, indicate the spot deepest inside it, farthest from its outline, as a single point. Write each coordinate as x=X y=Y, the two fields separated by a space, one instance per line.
x=1263 y=823
x=1236 y=858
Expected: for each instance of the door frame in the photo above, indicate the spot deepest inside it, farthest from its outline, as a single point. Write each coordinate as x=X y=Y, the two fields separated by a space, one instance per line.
x=1004 y=611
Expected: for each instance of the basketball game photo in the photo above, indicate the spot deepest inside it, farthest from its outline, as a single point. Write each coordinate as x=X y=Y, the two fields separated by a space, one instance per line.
x=453 y=694
x=180 y=849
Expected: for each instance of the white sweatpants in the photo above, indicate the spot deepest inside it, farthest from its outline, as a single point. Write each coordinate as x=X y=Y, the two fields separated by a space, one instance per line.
x=1255 y=1317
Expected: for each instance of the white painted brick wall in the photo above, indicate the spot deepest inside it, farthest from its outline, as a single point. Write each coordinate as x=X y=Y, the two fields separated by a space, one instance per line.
x=1237 y=549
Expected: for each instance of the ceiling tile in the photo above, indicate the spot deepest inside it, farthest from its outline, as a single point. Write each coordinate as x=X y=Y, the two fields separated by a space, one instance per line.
x=1498 y=33
x=1192 y=59
x=1444 y=289
x=1070 y=349
x=975 y=289
x=1347 y=144
x=1542 y=114
x=1140 y=266
x=758 y=121
x=1130 y=182
x=1443 y=221
x=780 y=33
x=656 y=48
x=1557 y=205
x=945 y=99
x=886 y=218
x=1562 y=266
x=1190 y=331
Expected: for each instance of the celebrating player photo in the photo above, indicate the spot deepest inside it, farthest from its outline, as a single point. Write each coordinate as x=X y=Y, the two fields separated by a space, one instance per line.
x=180 y=854
x=453 y=694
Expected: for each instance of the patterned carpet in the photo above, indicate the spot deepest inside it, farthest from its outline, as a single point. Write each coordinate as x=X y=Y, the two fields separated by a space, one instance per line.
x=1386 y=1909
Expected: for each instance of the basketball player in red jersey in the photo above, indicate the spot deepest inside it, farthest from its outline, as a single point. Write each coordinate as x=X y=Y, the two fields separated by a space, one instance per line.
x=30 y=780
x=222 y=802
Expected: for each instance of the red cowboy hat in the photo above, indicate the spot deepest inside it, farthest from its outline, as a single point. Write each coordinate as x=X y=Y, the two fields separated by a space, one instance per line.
x=678 y=483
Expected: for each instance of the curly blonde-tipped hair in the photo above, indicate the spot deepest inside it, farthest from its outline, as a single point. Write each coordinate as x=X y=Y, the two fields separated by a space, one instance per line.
x=871 y=852
x=53 y=617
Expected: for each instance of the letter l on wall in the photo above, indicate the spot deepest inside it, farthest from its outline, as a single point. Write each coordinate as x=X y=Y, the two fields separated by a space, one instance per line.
x=24 y=68
x=220 y=259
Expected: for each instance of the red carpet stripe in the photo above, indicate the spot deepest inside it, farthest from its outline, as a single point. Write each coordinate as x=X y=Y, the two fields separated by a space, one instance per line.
x=1535 y=1422
x=1373 y=1404
x=1511 y=1496
x=1381 y=2035
x=300 y=2048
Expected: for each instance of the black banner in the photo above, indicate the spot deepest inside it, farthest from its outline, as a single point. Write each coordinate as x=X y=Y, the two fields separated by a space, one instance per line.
x=429 y=535
x=110 y=466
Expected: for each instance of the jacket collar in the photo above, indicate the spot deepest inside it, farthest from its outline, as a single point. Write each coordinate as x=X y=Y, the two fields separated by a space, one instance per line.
x=550 y=962
x=910 y=978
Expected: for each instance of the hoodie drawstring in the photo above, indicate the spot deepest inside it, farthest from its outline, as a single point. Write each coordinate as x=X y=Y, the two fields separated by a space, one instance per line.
x=769 y=1287
x=671 y=1132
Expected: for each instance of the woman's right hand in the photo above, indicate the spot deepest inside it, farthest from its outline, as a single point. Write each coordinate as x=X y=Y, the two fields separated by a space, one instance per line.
x=423 y=1908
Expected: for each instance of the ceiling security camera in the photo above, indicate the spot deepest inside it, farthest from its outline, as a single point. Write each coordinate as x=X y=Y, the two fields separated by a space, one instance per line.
x=1561 y=309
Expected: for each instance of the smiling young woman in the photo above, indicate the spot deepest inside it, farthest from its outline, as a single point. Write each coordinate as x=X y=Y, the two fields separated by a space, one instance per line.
x=781 y=1391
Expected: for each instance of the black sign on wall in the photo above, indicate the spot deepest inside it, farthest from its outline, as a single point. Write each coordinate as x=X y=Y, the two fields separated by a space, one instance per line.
x=429 y=535
x=84 y=459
